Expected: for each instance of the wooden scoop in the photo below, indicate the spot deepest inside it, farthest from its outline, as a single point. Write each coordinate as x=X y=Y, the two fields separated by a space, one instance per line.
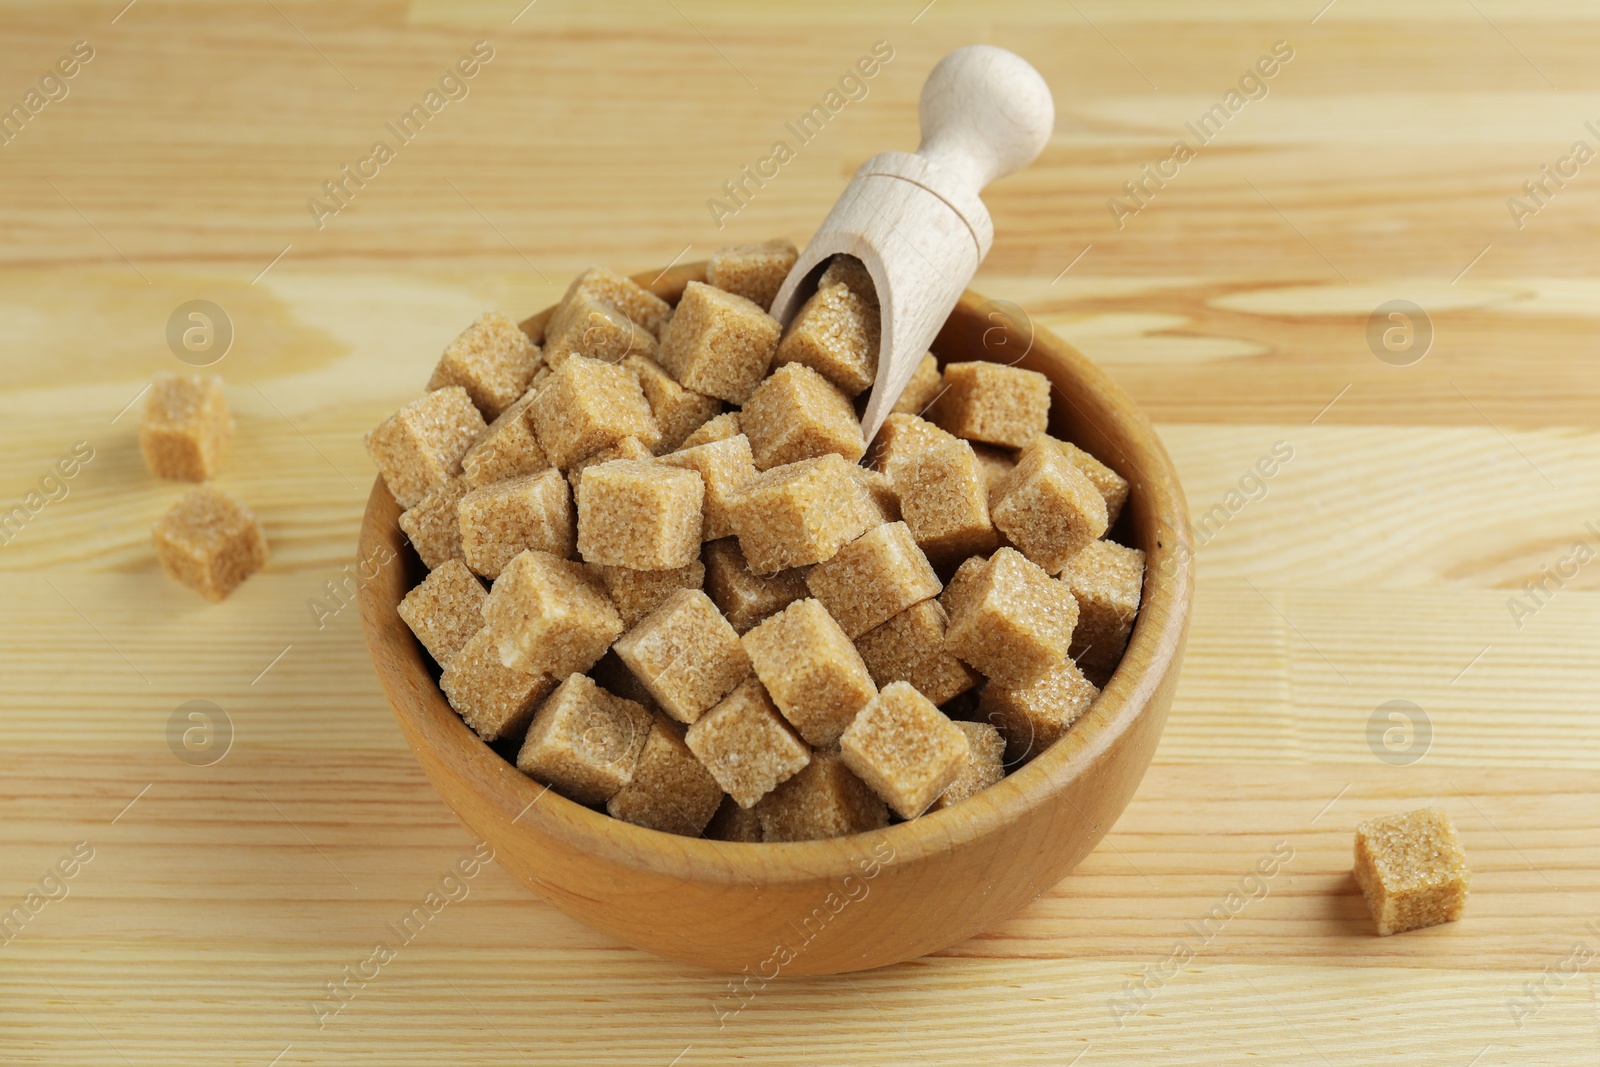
x=916 y=221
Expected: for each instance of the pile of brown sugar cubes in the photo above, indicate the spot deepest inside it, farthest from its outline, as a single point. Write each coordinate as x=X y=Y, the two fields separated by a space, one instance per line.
x=706 y=614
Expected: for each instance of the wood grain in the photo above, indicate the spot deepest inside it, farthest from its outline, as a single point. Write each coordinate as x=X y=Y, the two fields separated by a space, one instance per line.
x=215 y=908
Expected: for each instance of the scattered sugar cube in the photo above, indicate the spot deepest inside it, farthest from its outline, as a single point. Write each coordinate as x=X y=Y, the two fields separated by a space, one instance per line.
x=904 y=749
x=923 y=388
x=584 y=742
x=494 y=700
x=845 y=269
x=746 y=745
x=1412 y=870
x=811 y=670
x=1032 y=717
x=1014 y=623
x=421 y=445
x=879 y=574
x=825 y=799
x=910 y=648
x=733 y=823
x=984 y=767
x=993 y=403
x=678 y=411
x=638 y=593
x=1106 y=580
x=686 y=654
x=627 y=448
x=493 y=360
x=836 y=333
x=798 y=414
x=718 y=344
x=186 y=427
x=583 y=326
x=670 y=790
x=506 y=449
x=725 y=467
x=622 y=293
x=798 y=514
x=755 y=272
x=945 y=501
x=549 y=616
x=586 y=405
x=640 y=514
x=445 y=609
x=743 y=597
x=879 y=491
x=209 y=542
x=1048 y=508
x=1113 y=486
x=433 y=526
x=501 y=519
x=720 y=428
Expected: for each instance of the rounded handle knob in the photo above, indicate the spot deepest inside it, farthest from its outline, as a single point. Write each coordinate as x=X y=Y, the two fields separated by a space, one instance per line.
x=985 y=112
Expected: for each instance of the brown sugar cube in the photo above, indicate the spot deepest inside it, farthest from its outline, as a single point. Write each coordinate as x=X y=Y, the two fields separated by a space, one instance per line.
x=910 y=648
x=1113 y=486
x=798 y=414
x=901 y=439
x=627 y=448
x=209 y=542
x=421 y=445
x=678 y=411
x=811 y=670
x=186 y=427
x=584 y=742
x=614 y=676
x=493 y=360
x=1106 y=580
x=848 y=270
x=798 y=514
x=433 y=527
x=640 y=514
x=743 y=597
x=725 y=467
x=501 y=519
x=746 y=745
x=445 y=609
x=583 y=326
x=720 y=428
x=494 y=700
x=733 y=823
x=1014 y=622
x=945 y=502
x=923 y=388
x=586 y=405
x=686 y=654
x=1411 y=870
x=506 y=449
x=996 y=463
x=1032 y=717
x=993 y=403
x=879 y=574
x=984 y=767
x=718 y=344
x=638 y=593
x=961 y=582
x=670 y=790
x=549 y=616
x=1048 y=508
x=825 y=799
x=755 y=272
x=622 y=293
x=836 y=333
x=879 y=491
x=904 y=748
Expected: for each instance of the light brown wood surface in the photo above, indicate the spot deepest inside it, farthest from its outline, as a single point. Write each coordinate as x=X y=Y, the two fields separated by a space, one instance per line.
x=1378 y=566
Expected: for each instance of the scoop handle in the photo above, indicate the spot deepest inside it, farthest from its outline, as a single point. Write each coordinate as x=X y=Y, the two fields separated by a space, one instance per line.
x=985 y=112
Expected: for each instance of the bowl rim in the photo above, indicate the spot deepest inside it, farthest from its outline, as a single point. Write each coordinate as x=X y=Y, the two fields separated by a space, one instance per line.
x=1156 y=641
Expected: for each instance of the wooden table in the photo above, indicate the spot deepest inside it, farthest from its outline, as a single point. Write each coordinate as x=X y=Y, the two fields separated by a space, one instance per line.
x=1382 y=562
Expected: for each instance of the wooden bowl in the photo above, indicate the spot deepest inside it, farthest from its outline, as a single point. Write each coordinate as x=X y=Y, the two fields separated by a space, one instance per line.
x=820 y=907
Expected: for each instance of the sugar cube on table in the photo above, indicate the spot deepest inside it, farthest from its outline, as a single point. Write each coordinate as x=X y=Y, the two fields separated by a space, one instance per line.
x=798 y=414
x=433 y=527
x=1012 y=621
x=445 y=610
x=904 y=748
x=719 y=428
x=717 y=343
x=746 y=744
x=824 y=799
x=1047 y=507
x=491 y=698
x=493 y=360
x=583 y=326
x=549 y=615
x=506 y=449
x=799 y=514
x=813 y=673
x=185 y=428
x=725 y=467
x=584 y=742
x=421 y=445
x=502 y=519
x=984 y=767
x=734 y=823
x=879 y=574
x=922 y=390
x=686 y=655
x=640 y=514
x=586 y=405
x=754 y=271
x=622 y=293
x=1106 y=579
x=743 y=597
x=993 y=403
x=637 y=593
x=669 y=790
x=836 y=333
x=1412 y=871
x=1033 y=716
x=209 y=542
x=678 y=411
x=909 y=647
